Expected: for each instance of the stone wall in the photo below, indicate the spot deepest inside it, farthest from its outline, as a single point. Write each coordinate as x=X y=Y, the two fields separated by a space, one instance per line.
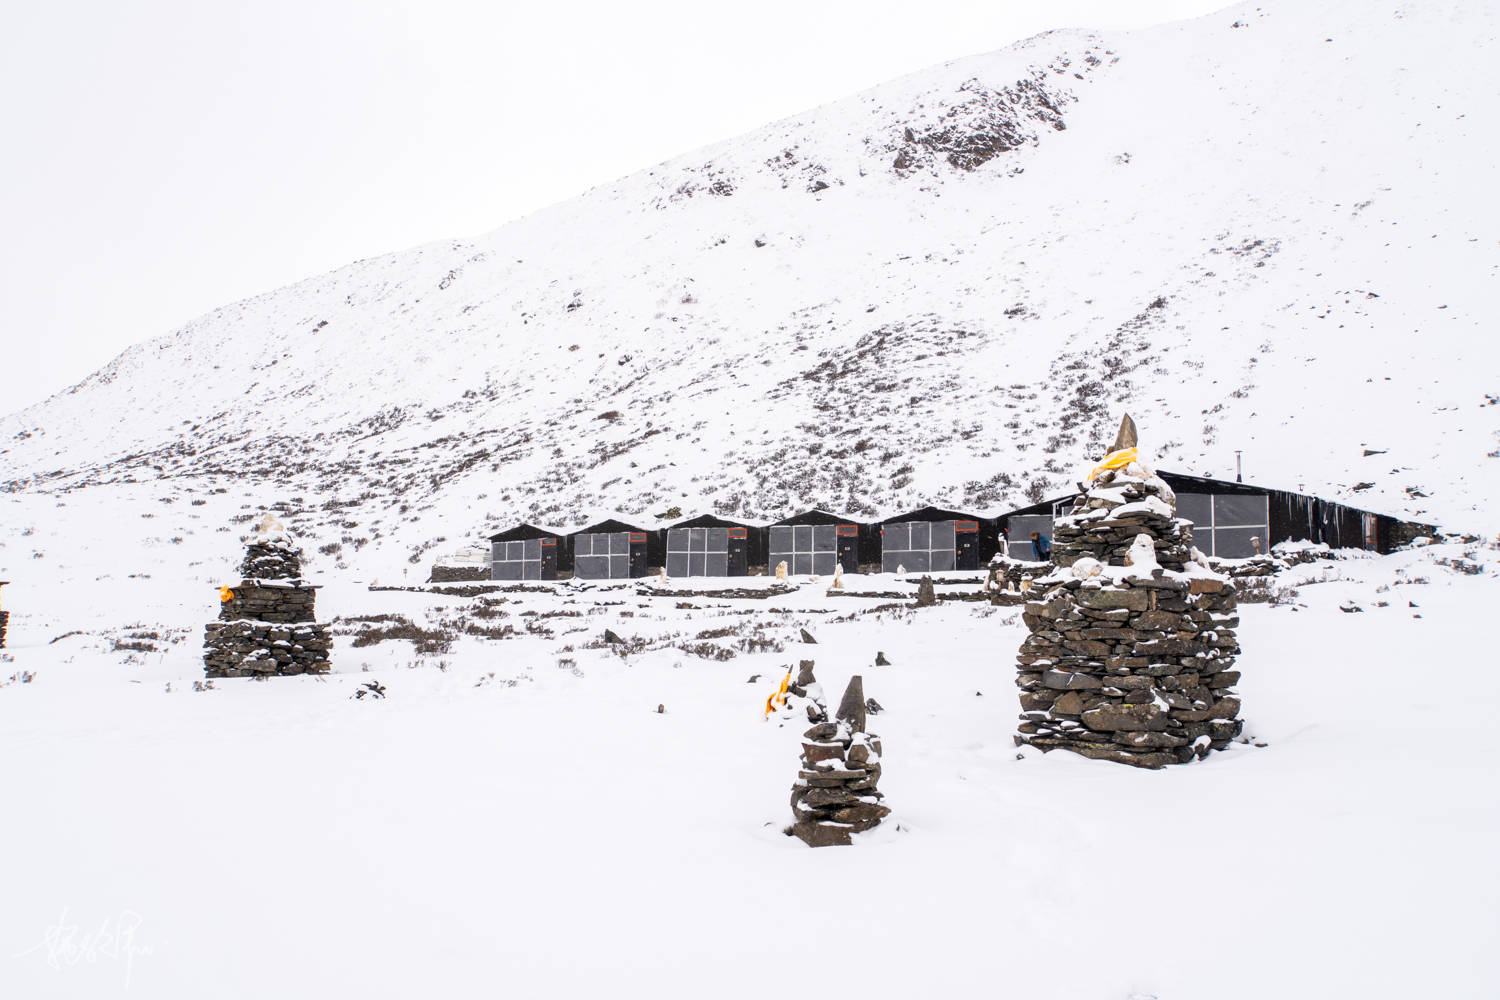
x=271 y=561
x=1138 y=673
x=458 y=574
x=268 y=602
x=250 y=648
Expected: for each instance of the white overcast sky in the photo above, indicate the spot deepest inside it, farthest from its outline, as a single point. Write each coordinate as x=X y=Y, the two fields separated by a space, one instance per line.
x=163 y=157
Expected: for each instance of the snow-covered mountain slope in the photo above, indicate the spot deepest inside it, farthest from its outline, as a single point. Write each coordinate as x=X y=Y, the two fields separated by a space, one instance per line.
x=1272 y=229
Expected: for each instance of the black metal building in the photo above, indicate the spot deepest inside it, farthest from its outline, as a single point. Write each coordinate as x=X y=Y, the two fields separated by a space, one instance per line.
x=935 y=540
x=615 y=550
x=1230 y=520
x=815 y=541
x=712 y=546
x=527 y=552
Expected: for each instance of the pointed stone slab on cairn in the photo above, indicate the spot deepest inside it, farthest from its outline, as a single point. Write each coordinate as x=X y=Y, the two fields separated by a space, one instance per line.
x=1126 y=436
x=267 y=622
x=1132 y=637
x=806 y=686
x=835 y=795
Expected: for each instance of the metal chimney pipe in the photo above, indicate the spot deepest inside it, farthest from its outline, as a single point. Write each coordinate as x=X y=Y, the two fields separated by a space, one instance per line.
x=1238 y=477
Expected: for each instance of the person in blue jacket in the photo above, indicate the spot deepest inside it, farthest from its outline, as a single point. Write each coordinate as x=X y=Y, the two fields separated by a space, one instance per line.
x=1040 y=546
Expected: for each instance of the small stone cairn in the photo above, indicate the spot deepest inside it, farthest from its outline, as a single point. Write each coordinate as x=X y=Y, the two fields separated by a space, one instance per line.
x=266 y=624
x=835 y=795
x=1132 y=635
x=4 y=620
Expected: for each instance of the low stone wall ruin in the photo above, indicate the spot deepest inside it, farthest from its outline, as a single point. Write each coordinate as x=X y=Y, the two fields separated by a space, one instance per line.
x=458 y=574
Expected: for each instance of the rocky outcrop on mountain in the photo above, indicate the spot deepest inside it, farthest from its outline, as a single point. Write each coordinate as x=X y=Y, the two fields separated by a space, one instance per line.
x=1132 y=638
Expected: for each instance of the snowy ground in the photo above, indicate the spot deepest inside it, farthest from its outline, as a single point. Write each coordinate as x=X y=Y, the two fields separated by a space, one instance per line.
x=516 y=818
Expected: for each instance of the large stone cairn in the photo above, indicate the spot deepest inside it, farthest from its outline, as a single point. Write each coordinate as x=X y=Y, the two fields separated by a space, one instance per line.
x=835 y=795
x=1132 y=636
x=266 y=624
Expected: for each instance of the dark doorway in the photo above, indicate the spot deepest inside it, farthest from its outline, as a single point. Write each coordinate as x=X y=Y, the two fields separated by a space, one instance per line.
x=739 y=552
x=966 y=544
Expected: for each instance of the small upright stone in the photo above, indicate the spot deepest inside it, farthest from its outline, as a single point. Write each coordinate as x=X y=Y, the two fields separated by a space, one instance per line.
x=926 y=596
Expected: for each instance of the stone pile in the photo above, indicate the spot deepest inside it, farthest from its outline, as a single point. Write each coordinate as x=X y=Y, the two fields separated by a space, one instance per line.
x=267 y=623
x=1009 y=581
x=835 y=795
x=1132 y=637
x=4 y=618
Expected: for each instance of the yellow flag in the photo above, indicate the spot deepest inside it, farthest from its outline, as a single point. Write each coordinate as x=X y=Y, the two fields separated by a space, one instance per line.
x=1114 y=460
x=778 y=697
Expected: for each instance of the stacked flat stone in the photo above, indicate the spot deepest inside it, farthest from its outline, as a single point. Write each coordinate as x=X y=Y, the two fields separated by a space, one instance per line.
x=1009 y=580
x=267 y=626
x=835 y=795
x=1132 y=637
x=4 y=619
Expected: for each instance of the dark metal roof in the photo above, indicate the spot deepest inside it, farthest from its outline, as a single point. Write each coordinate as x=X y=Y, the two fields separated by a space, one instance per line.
x=521 y=532
x=610 y=524
x=935 y=514
x=1181 y=483
x=711 y=521
x=816 y=516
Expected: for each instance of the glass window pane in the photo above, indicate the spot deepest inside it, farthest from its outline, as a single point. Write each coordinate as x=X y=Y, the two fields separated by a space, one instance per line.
x=1234 y=543
x=1240 y=511
x=1196 y=508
